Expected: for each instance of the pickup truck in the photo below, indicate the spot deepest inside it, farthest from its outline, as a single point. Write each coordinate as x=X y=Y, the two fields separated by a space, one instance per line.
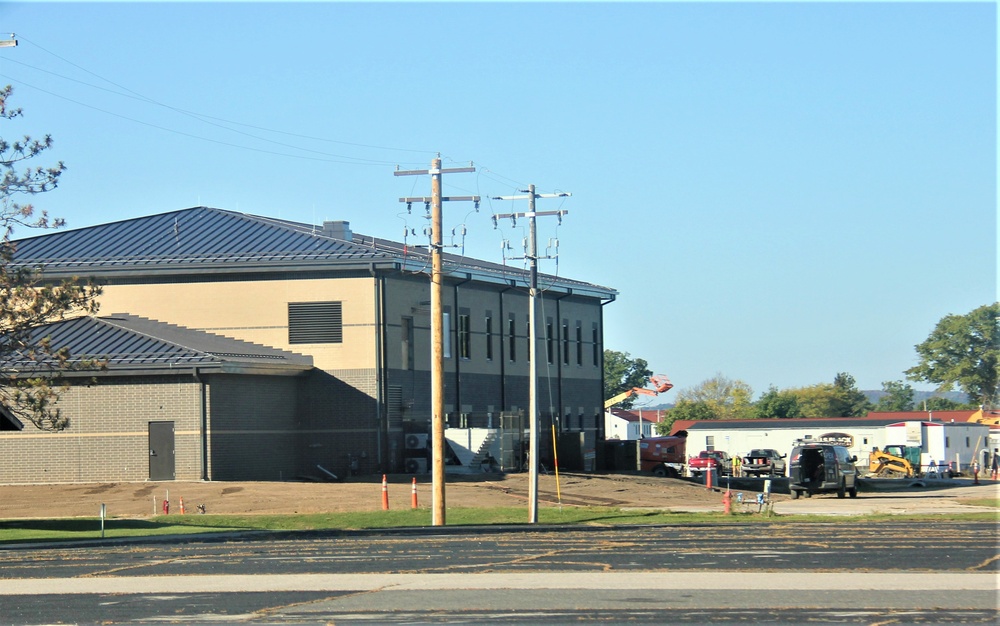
x=763 y=461
x=709 y=460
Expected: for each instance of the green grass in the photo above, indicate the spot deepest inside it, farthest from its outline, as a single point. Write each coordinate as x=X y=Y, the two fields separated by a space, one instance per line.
x=68 y=529
x=993 y=502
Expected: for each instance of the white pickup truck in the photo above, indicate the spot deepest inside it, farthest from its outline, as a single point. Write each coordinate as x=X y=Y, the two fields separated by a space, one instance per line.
x=763 y=462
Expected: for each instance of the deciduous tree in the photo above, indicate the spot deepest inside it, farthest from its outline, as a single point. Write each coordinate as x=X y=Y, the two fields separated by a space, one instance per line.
x=621 y=373
x=31 y=367
x=898 y=397
x=721 y=398
x=777 y=404
x=963 y=350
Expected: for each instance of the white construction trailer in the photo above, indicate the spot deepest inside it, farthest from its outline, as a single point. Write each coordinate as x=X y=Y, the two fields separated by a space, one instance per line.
x=952 y=445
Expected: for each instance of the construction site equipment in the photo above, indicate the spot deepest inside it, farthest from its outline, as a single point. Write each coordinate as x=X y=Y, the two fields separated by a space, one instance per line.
x=660 y=384
x=895 y=462
x=663 y=456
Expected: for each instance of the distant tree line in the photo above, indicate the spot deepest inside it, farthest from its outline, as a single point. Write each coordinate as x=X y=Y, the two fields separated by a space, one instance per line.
x=961 y=351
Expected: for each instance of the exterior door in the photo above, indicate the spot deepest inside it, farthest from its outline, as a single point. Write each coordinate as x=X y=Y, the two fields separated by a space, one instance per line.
x=161 y=450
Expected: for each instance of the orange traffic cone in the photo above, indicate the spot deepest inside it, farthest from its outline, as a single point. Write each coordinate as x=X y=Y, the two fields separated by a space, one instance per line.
x=413 y=494
x=385 y=494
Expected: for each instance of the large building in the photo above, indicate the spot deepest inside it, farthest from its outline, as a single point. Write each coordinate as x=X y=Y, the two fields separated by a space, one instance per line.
x=349 y=317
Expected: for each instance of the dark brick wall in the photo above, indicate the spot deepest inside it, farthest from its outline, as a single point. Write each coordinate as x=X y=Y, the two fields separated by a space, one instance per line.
x=107 y=438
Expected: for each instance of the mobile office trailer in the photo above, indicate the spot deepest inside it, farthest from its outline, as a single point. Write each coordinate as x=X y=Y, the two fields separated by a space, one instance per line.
x=952 y=444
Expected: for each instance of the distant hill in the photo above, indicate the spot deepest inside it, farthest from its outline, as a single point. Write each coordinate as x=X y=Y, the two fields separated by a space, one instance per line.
x=920 y=396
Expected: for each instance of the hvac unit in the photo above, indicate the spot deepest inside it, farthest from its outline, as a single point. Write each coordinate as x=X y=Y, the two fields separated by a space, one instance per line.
x=416 y=465
x=416 y=441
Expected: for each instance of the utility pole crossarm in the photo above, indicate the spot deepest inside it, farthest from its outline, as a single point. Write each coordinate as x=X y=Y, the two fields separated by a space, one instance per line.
x=429 y=199
x=562 y=194
x=532 y=214
x=446 y=170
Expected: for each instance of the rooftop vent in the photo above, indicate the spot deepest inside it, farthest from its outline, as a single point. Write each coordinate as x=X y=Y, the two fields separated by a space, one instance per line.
x=338 y=230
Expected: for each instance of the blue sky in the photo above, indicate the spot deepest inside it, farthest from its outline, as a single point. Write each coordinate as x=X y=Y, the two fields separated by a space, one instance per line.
x=779 y=191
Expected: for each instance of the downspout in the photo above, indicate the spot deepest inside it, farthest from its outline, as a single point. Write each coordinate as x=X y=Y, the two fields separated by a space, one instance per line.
x=458 y=359
x=381 y=418
x=600 y=420
x=203 y=423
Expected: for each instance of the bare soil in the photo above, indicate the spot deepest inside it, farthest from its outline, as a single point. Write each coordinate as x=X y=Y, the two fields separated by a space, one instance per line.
x=358 y=494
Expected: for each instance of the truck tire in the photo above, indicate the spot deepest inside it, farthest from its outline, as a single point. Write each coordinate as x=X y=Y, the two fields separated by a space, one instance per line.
x=853 y=491
x=660 y=470
x=672 y=473
x=842 y=490
x=795 y=494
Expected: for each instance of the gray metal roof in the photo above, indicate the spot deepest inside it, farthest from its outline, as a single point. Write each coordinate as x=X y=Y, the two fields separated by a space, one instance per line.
x=129 y=342
x=203 y=239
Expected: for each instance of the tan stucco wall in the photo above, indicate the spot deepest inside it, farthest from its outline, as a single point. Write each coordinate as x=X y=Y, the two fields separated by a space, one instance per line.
x=258 y=312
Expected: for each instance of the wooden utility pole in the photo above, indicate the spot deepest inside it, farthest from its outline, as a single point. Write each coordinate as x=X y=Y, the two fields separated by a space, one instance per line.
x=532 y=256
x=437 y=327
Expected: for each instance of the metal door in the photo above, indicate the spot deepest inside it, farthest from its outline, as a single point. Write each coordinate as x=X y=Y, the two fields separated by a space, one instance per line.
x=161 y=450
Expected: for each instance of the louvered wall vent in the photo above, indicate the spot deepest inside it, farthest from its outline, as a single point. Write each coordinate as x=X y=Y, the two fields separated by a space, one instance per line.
x=315 y=322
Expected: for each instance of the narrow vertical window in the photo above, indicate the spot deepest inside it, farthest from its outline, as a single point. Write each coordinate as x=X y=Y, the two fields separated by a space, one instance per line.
x=549 y=339
x=489 y=336
x=407 y=343
x=595 y=346
x=464 y=334
x=579 y=343
x=527 y=333
x=565 y=341
x=446 y=334
x=511 y=336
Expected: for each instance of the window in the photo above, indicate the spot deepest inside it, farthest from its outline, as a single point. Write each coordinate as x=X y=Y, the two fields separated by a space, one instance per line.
x=548 y=340
x=565 y=341
x=527 y=333
x=464 y=332
x=407 y=342
x=595 y=345
x=710 y=442
x=579 y=343
x=446 y=334
x=511 y=344
x=489 y=336
x=315 y=322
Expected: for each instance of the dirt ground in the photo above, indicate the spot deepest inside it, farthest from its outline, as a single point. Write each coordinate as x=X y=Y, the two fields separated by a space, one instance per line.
x=358 y=494
x=125 y=500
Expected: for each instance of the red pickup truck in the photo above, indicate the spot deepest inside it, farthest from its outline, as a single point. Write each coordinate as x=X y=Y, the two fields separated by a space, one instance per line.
x=709 y=460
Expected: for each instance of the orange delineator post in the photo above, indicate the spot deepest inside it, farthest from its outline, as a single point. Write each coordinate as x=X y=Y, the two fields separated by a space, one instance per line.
x=385 y=494
x=413 y=494
x=708 y=477
x=182 y=506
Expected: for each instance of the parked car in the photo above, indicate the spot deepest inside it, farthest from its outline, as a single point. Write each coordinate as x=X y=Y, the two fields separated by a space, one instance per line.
x=822 y=468
x=708 y=460
x=763 y=462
